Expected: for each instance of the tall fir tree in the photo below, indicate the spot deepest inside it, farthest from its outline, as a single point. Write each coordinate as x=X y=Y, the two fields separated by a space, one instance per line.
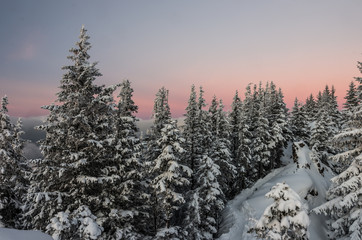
x=131 y=172
x=235 y=119
x=243 y=166
x=260 y=144
x=320 y=133
x=210 y=198
x=351 y=98
x=248 y=125
x=359 y=80
x=170 y=175
x=161 y=112
x=12 y=180
x=206 y=187
x=344 y=196
x=299 y=122
x=279 y=126
x=220 y=132
x=335 y=114
x=76 y=187
x=310 y=108
x=196 y=132
x=161 y=117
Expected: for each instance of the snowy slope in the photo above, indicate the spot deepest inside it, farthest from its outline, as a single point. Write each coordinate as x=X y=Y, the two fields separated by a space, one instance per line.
x=302 y=176
x=12 y=234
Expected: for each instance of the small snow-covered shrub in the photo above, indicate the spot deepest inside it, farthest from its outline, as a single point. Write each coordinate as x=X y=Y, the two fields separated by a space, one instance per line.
x=285 y=218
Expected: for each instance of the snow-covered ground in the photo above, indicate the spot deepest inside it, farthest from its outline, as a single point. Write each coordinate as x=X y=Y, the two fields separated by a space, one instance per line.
x=306 y=180
x=12 y=234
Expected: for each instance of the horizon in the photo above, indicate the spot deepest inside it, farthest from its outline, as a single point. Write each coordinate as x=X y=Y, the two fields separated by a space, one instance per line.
x=300 y=46
x=227 y=108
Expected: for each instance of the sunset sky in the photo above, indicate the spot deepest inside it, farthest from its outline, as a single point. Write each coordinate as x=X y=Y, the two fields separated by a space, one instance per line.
x=221 y=45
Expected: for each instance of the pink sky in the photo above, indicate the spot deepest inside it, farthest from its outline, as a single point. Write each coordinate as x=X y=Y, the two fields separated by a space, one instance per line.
x=222 y=45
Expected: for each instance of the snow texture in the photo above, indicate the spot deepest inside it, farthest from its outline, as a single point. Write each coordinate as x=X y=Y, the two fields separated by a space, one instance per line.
x=251 y=203
x=12 y=234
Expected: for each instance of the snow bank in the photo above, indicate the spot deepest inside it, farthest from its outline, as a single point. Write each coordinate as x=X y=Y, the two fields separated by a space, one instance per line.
x=13 y=234
x=301 y=175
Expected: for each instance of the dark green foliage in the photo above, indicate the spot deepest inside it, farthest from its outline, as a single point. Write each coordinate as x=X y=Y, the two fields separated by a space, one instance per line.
x=12 y=166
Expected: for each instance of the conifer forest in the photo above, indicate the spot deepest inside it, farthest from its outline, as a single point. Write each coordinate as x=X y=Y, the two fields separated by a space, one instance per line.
x=101 y=178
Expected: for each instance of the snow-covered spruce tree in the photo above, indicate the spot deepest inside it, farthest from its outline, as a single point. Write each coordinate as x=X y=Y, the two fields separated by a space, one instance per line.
x=132 y=198
x=168 y=174
x=193 y=145
x=244 y=164
x=336 y=115
x=12 y=182
x=359 y=87
x=78 y=181
x=299 y=124
x=286 y=218
x=193 y=136
x=310 y=108
x=328 y=102
x=200 y=222
x=169 y=177
x=345 y=194
x=210 y=198
x=280 y=129
x=235 y=119
x=161 y=115
x=261 y=143
x=266 y=108
x=208 y=187
x=351 y=99
x=213 y=117
x=247 y=127
x=321 y=134
x=192 y=218
x=220 y=132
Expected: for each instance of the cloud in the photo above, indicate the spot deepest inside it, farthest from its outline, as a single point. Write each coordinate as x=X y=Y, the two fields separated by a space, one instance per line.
x=25 y=52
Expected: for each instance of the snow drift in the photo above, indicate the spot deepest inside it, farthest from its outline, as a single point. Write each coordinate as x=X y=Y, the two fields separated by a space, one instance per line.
x=301 y=173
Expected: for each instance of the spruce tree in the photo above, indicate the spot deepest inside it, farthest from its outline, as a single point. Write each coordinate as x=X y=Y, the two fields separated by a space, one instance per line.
x=334 y=112
x=299 y=122
x=320 y=133
x=280 y=129
x=191 y=135
x=161 y=115
x=131 y=172
x=201 y=223
x=344 y=196
x=220 y=131
x=12 y=182
x=170 y=175
x=310 y=108
x=78 y=180
x=286 y=218
x=196 y=133
x=351 y=98
x=243 y=166
x=247 y=162
x=359 y=87
x=207 y=172
x=193 y=219
x=261 y=143
x=210 y=198
x=235 y=118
